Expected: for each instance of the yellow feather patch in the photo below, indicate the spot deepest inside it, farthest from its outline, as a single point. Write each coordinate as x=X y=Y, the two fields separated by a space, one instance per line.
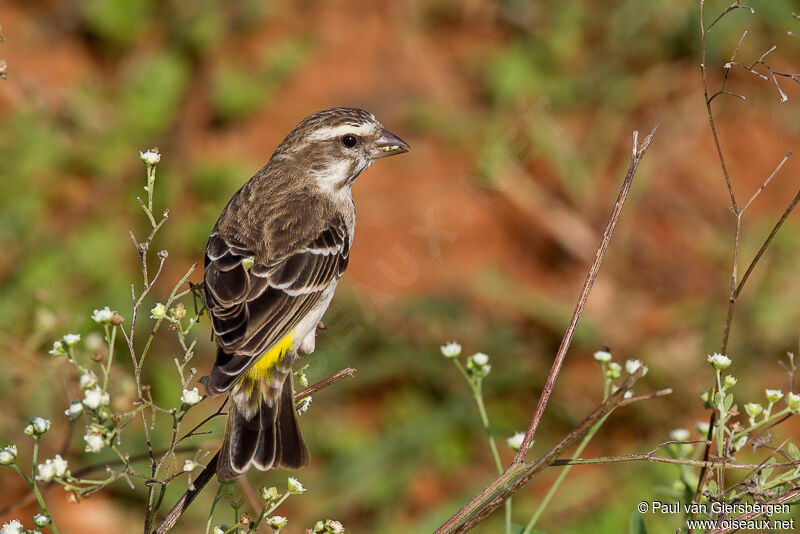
x=263 y=367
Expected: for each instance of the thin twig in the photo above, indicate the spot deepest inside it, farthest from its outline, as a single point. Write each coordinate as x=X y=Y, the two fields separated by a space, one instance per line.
x=784 y=498
x=518 y=475
x=637 y=154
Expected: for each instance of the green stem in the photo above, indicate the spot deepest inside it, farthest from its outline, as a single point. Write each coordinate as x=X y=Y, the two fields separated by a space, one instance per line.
x=266 y=511
x=477 y=393
x=35 y=487
x=217 y=498
x=760 y=424
x=107 y=369
x=561 y=476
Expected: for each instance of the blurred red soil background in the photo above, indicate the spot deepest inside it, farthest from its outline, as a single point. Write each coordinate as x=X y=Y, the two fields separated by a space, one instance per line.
x=520 y=118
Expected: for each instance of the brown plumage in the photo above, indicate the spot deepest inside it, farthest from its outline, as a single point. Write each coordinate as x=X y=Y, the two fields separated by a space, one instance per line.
x=272 y=264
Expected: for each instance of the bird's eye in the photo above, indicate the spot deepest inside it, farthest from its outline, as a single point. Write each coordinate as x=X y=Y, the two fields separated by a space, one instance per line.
x=349 y=140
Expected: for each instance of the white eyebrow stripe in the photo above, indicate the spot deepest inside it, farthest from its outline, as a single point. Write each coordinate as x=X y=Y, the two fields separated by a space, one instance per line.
x=336 y=131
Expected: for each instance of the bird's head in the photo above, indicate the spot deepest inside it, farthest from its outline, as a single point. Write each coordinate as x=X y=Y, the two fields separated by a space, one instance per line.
x=336 y=145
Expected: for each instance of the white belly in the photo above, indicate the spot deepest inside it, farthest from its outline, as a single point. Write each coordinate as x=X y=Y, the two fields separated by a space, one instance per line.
x=306 y=330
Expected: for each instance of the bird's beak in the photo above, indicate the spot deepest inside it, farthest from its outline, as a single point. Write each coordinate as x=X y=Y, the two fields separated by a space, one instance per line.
x=388 y=144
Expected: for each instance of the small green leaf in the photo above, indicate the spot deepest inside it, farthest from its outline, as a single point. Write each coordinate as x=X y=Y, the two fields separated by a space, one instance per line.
x=711 y=486
x=763 y=477
x=636 y=524
x=728 y=402
x=793 y=451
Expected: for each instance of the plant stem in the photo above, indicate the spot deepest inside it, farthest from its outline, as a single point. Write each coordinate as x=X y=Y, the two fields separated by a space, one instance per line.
x=477 y=393
x=561 y=476
x=34 y=486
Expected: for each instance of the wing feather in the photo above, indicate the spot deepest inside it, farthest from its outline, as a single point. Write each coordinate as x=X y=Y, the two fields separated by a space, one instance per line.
x=253 y=309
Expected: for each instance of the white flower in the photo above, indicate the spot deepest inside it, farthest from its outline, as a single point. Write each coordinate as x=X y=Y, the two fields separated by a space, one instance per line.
x=269 y=494
x=41 y=520
x=702 y=428
x=679 y=434
x=631 y=366
x=478 y=365
x=51 y=468
x=94 y=440
x=60 y=465
x=189 y=466
x=151 y=157
x=74 y=411
x=58 y=349
x=451 y=350
x=719 y=361
x=300 y=376
x=334 y=526
x=627 y=395
x=88 y=380
x=218 y=530
x=303 y=405
x=12 y=527
x=39 y=425
x=793 y=402
x=103 y=316
x=295 y=487
x=730 y=381
x=71 y=340
x=277 y=522
x=774 y=395
x=602 y=356
x=515 y=441
x=480 y=358
x=8 y=455
x=614 y=370
x=159 y=311
x=94 y=398
x=191 y=397
x=753 y=409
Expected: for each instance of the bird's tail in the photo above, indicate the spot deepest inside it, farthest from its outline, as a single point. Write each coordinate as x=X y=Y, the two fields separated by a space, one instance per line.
x=261 y=431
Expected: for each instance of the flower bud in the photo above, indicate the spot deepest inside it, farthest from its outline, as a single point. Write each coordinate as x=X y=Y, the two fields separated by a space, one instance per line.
x=773 y=395
x=269 y=494
x=451 y=350
x=602 y=356
x=277 y=522
x=334 y=526
x=614 y=370
x=8 y=455
x=295 y=487
x=631 y=366
x=515 y=441
x=71 y=340
x=59 y=349
x=74 y=411
x=793 y=402
x=190 y=397
x=719 y=361
x=753 y=409
x=679 y=434
x=103 y=316
x=159 y=311
x=151 y=157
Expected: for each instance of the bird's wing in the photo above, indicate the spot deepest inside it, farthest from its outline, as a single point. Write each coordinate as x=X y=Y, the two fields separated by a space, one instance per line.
x=254 y=308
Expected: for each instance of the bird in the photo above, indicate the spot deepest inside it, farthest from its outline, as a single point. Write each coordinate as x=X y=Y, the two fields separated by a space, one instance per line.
x=272 y=264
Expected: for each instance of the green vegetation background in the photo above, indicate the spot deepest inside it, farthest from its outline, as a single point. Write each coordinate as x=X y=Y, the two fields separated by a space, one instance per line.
x=519 y=113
